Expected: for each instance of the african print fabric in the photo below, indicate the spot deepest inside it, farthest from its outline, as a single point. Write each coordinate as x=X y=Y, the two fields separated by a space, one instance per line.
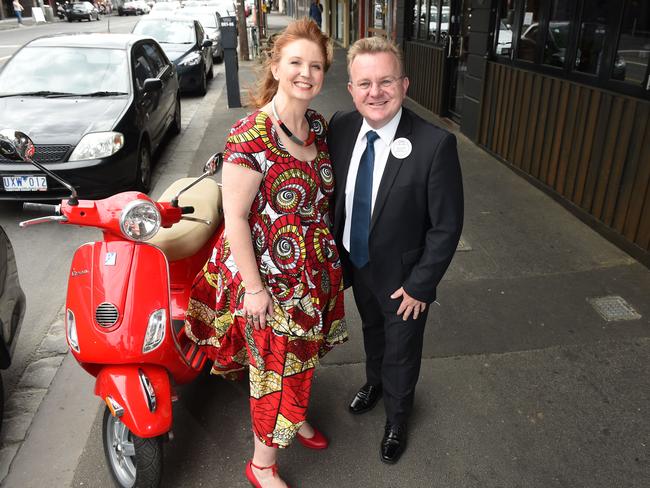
x=298 y=263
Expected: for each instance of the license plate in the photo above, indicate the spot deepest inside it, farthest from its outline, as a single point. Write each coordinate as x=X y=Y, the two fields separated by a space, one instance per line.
x=24 y=183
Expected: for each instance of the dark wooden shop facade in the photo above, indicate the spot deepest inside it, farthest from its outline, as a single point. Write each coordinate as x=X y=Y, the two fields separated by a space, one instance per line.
x=559 y=90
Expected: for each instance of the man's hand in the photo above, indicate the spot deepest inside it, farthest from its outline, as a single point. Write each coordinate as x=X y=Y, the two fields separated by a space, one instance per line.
x=409 y=304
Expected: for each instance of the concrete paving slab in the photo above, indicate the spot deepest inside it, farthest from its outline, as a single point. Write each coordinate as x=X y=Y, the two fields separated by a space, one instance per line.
x=561 y=417
x=39 y=374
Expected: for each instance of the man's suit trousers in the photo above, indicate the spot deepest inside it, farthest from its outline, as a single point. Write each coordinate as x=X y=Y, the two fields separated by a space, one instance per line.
x=393 y=347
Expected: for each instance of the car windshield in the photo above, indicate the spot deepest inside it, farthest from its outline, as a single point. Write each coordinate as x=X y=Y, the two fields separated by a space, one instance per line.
x=206 y=18
x=167 y=32
x=71 y=70
x=165 y=6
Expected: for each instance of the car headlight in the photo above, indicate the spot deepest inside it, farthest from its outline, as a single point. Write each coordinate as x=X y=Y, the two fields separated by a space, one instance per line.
x=155 y=330
x=140 y=220
x=71 y=329
x=97 y=145
x=191 y=59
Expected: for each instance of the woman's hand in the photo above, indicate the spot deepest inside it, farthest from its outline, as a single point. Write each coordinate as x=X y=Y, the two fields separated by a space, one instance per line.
x=256 y=307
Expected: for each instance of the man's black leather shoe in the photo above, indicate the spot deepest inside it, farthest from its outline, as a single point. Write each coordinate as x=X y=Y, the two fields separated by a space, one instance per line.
x=393 y=443
x=365 y=399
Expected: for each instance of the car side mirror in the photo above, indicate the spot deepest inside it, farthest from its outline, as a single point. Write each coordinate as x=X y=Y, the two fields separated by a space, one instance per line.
x=16 y=145
x=213 y=164
x=206 y=43
x=151 y=85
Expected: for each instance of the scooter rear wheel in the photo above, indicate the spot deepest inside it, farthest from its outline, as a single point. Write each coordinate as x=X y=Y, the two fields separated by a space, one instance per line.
x=134 y=462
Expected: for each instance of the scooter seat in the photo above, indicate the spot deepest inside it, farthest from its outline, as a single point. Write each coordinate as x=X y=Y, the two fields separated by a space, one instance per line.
x=185 y=238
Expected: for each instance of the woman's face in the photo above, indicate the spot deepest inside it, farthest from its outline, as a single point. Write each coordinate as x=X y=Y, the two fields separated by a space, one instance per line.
x=300 y=70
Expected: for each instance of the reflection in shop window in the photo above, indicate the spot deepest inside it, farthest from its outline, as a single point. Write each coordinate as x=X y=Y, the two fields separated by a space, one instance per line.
x=633 y=52
x=433 y=19
x=504 y=32
x=416 y=18
x=444 y=21
x=422 y=30
x=529 y=32
x=592 y=36
x=557 y=37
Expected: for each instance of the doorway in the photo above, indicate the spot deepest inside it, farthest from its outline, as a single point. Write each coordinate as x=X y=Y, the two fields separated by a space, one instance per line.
x=457 y=56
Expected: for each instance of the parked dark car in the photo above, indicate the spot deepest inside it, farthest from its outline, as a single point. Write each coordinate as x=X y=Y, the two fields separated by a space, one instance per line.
x=82 y=11
x=119 y=96
x=187 y=45
x=12 y=307
x=211 y=23
x=136 y=7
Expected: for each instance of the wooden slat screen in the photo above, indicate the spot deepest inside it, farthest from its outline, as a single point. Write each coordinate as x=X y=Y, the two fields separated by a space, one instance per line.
x=590 y=146
x=424 y=66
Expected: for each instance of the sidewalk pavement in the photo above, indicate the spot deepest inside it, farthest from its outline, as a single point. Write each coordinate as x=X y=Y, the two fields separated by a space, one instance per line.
x=523 y=382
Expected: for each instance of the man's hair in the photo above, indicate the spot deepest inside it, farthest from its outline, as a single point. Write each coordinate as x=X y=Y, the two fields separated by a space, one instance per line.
x=374 y=45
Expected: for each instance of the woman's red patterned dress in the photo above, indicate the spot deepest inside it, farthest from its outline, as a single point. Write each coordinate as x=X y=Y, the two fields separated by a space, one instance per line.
x=298 y=263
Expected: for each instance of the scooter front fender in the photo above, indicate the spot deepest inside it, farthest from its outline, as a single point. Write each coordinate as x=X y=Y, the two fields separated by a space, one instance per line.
x=140 y=396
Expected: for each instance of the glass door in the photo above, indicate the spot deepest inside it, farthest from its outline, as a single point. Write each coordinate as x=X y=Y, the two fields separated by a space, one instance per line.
x=378 y=23
x=457 y=49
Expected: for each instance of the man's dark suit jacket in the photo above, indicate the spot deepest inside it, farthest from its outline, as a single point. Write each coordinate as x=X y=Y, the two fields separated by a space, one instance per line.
x=418 y=214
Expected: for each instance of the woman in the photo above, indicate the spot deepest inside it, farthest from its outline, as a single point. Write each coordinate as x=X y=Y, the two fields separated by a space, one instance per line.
x=271 y=296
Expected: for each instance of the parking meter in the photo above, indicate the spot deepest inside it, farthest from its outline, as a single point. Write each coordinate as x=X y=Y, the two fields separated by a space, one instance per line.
x=229 y=42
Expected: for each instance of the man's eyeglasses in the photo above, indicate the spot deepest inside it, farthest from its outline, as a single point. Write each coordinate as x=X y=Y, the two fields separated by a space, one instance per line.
x=384 y=84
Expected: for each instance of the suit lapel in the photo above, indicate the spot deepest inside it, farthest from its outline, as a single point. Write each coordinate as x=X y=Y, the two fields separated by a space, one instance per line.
x=393 y=166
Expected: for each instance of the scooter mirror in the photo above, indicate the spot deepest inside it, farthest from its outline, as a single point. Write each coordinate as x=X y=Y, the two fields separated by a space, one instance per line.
x=213 y=164
x=16 y=145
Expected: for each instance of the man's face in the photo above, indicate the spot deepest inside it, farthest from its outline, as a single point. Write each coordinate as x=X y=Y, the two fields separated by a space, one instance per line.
x=377 y=87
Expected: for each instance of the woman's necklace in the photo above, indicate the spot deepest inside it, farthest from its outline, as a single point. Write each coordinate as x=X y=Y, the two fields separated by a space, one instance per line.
x=311 y=137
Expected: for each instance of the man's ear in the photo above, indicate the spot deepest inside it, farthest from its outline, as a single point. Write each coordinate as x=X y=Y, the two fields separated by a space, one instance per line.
x=350 y=88
x=405 y=84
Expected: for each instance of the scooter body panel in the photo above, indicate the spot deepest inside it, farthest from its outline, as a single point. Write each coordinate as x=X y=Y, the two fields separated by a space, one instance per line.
x=133 y=279
x=124 y=384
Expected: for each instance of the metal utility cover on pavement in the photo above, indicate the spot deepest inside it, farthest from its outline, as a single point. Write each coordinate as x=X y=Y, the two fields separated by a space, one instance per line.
x=613 y=308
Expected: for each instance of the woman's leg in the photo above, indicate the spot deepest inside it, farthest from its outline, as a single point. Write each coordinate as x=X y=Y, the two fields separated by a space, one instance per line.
x=265 y=456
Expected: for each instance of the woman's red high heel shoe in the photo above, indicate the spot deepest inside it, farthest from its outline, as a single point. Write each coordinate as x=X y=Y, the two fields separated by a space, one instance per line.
x=317 y=441
x=251 y=476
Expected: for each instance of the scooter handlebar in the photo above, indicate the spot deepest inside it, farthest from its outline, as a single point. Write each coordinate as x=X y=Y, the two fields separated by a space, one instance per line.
x=42 y=208
x=187 y=210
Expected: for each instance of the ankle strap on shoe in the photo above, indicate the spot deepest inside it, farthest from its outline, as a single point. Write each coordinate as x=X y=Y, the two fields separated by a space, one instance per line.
x=273 y=467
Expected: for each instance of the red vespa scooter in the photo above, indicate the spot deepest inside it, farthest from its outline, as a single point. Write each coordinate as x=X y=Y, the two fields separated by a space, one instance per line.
x=126 y=302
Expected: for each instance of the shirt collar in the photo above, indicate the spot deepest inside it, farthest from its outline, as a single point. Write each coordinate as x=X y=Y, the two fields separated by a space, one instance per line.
x=385 y=133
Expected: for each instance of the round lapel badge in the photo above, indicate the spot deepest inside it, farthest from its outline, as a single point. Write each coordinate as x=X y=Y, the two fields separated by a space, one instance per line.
x=401 y=148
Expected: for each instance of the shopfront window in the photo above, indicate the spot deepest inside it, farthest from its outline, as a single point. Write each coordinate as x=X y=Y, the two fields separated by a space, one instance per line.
x=504 y=27
x=558 y=34
x=416 y=18
x=592 y=36
x=633 y=52
x=444 y=19
x=529 y=33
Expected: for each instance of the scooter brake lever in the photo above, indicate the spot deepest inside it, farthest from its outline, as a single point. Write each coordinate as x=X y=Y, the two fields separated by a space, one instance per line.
x=43 y=220
x=194 y=219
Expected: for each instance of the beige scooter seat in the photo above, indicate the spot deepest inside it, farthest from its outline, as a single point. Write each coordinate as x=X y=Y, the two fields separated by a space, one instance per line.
x=186 y=237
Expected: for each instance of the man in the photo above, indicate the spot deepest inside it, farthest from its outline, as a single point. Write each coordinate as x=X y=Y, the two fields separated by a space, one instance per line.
x=398 y=213
x=18 y=10
x=316 y=12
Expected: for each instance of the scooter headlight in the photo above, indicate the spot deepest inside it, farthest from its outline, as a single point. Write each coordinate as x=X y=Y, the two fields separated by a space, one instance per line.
x=140 y=220
x=71 y=329
x=155 y=330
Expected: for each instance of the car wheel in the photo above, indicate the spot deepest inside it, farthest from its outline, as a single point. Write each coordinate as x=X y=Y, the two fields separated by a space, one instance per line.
x=143 y=182
x=176 y=123
x=203 y=87
x=133 y=461
x=69 y=20
x=219 y=58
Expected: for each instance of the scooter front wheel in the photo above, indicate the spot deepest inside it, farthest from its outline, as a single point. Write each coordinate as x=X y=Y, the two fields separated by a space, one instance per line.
x=134 y=462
